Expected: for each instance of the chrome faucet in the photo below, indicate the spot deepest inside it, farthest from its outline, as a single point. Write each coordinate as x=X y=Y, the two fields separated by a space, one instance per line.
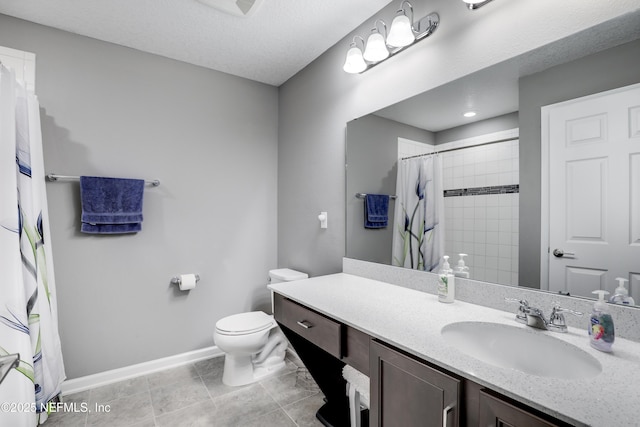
x=534 y=317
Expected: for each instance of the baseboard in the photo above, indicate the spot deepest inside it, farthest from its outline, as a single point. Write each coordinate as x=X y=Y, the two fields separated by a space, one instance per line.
x=103 y=378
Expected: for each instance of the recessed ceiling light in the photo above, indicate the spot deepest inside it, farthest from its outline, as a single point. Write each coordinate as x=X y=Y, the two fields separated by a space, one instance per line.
x=469 y=114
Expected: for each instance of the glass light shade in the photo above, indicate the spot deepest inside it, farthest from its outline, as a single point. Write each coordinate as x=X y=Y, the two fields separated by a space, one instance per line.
x=400 y=34
x=376 y=49
x=355 y=62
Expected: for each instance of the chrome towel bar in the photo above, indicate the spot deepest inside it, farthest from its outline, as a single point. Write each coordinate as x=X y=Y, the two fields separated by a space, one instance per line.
x=52 y=177
x=363 y=195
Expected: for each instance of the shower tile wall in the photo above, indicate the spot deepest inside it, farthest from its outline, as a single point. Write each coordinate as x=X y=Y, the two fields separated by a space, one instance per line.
x=483 y=226
x=408 y=148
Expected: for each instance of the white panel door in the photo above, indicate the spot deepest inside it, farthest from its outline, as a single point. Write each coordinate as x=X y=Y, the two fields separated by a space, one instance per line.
x=594 y=192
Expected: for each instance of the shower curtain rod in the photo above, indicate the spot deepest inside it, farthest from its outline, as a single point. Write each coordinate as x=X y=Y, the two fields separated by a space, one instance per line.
x=52 y=177
x=462 y=148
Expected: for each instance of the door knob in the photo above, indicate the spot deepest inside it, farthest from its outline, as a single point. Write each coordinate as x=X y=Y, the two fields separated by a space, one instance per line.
x=559 y=253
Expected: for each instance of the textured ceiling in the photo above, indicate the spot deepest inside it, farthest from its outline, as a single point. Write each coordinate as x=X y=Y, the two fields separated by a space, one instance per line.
x=279 y=39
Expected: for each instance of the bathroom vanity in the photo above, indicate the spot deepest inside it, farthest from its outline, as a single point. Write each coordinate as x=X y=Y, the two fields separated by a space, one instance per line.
x=393 y=335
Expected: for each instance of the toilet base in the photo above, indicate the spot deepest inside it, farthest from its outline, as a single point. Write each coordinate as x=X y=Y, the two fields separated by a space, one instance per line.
x=240 y=370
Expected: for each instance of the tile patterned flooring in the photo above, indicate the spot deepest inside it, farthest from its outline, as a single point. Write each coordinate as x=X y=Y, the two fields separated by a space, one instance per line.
x=194 y=395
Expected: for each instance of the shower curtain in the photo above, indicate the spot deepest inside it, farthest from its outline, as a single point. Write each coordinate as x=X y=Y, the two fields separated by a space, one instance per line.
x=28 y=308
x=418 y=234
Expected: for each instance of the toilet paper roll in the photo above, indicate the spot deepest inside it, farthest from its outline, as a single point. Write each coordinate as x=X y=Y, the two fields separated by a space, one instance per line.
x=187 y=281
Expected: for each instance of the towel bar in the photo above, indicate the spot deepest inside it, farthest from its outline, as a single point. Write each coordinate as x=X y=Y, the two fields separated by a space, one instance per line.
x=363 y=195
x=52 y=177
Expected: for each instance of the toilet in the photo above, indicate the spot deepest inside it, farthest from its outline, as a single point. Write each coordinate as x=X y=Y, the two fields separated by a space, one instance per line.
x=253 y=344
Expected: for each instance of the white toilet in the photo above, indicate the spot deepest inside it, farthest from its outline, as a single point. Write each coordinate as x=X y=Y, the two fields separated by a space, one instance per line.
x=253 y=344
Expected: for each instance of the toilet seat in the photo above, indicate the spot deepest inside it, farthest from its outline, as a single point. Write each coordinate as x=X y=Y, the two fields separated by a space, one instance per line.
x=245 y=323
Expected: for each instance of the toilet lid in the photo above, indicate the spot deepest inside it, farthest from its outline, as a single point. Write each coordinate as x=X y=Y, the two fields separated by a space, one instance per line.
x=245 y=323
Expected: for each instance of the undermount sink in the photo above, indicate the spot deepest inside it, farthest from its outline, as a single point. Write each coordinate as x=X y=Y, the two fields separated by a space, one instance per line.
x=521 y=348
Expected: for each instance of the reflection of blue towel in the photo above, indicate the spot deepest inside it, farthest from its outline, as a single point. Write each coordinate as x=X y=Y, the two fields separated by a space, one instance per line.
x=376 y=211
x=111 y=205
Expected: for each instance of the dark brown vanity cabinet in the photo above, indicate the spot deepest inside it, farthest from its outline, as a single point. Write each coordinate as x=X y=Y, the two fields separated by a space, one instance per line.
x=322 y=331
x=495 y=411
x=404 y=390
x=407 y=392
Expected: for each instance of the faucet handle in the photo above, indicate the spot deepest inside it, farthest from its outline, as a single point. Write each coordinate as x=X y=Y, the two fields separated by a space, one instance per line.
x=557 y=322
x=521 y=315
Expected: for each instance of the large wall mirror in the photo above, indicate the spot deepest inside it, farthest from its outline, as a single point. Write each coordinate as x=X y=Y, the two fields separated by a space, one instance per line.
x=494 y=165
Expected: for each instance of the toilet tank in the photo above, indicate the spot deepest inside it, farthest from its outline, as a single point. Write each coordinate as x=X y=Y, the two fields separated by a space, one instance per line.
x=286 y=275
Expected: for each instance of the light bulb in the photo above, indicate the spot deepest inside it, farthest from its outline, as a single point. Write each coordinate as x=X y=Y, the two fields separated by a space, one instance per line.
x=376 y=49
x=354 y=62
x=401 y=33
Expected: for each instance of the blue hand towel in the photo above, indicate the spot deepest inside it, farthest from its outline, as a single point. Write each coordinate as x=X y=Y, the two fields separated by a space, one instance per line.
x=376 y=210
x=111 y=205
x=132 y=227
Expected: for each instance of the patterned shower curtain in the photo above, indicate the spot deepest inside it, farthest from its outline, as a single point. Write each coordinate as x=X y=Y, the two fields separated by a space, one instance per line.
x=418 y=234
x=28 y=308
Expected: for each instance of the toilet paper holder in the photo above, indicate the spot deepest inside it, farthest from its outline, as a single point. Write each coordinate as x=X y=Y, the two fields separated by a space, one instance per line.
x=176 y=279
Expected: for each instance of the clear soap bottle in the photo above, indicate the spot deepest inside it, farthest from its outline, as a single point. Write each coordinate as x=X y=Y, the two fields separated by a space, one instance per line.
x=446 y=282
x=461 y=269
x=621 y=294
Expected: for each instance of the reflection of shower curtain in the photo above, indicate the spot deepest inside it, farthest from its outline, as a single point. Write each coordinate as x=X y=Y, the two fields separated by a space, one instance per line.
x=28 y=309
x=418 y=234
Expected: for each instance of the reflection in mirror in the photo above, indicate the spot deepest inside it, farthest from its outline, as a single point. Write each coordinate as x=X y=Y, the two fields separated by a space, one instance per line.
x=491 y=166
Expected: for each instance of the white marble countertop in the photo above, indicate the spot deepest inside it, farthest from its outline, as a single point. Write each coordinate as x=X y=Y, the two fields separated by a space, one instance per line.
x=411 y=320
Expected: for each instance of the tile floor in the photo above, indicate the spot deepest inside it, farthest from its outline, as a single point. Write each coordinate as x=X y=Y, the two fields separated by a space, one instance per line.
x=194 y=395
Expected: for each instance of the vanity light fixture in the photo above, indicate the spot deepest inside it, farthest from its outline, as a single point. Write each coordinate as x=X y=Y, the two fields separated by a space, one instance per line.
x=376 y=49
x=401 y=32
x=355 y=61
x=475 y=4
x=404 y=32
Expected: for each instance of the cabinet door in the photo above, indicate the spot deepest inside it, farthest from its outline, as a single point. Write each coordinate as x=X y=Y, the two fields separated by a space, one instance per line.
x=496 y=412
x=407 y=392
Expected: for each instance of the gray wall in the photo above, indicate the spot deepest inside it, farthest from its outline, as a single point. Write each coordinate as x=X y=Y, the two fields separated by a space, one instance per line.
x=482 y=127
x=210 y=138
x=317 y=102
x=603 y=71
x=372 y=154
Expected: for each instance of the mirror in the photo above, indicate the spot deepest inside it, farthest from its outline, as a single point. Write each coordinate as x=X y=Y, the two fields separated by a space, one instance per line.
x=502 y=233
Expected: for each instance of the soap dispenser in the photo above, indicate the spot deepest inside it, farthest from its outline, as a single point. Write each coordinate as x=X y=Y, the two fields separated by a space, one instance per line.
x=601 y=331
x=621 y=295
x=461 y=269
x=446 y=282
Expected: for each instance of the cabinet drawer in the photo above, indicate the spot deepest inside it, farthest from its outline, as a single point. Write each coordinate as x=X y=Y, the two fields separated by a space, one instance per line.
x=314 y=327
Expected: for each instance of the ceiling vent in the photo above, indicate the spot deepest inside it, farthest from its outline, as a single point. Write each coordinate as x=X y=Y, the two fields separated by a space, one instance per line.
x=243 y=8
